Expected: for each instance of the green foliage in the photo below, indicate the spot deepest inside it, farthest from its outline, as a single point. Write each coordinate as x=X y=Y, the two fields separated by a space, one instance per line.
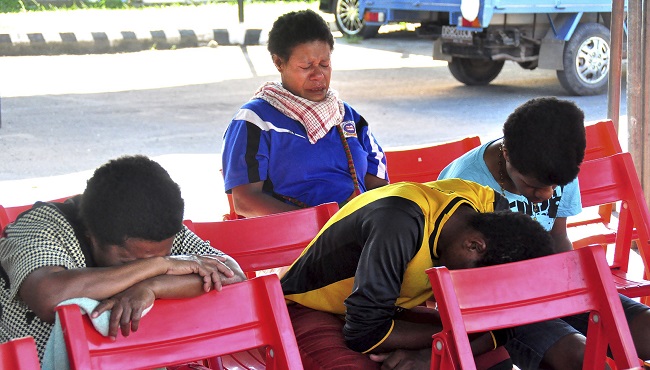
x=14 y=6
x=11 y=6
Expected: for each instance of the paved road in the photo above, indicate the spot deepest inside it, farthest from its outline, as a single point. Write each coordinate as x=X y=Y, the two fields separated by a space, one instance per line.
x=82 y=31
x=67 y=114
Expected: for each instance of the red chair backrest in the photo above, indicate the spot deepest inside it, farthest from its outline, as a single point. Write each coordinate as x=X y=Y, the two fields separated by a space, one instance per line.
x=241 y=316
x=524 y=292
x=602 y=140
x=424 y=163
x=265 y=242
x=4 y=218
x=612 y=179
x=231 y=215
x=19 y=354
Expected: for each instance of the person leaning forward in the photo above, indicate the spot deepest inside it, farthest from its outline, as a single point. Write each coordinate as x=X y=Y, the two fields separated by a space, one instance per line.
x=122 y=242
x=367 y=265
x=535 y=166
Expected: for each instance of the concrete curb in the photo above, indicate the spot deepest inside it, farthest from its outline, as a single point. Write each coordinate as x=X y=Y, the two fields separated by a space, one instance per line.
x=122 y=41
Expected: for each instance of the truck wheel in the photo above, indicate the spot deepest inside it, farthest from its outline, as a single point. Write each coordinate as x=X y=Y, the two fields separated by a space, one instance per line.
x=348 y=21
x=475 y=71
x=586 y=60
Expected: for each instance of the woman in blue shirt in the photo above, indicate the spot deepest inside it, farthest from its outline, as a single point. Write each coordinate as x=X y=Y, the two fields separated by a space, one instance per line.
x=295 y=143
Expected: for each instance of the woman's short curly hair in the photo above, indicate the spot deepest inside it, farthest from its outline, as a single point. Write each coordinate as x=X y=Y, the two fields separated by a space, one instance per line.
x=296 y=28
x=545 y=139
x=511 y=237
x=131 y=197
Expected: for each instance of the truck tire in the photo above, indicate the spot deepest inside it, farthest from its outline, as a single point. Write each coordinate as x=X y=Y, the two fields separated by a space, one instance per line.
x=586 y=60
x=474 y=72
x=348 y=22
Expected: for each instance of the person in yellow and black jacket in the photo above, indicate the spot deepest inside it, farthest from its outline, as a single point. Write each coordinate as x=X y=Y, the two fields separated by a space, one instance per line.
x=367 y=265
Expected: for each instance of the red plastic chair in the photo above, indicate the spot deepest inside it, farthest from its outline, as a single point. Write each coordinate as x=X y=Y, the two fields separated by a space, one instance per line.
x=261 y=243
x=602 y=141
x=9 y=214
x=19 y=354
x=424 y=163
x=530 y=291
x=231 y=215
x=613 y=179
x=266 y=242
x=242 y=316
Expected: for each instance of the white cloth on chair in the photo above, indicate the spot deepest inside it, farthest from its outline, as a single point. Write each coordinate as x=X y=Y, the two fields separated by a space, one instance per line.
x=56 y=354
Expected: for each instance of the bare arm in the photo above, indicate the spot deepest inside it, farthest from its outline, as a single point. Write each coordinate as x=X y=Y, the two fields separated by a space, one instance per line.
x=413 y=330
x=173 y=285
x=44 y=288
x=128 y=306
x=408 y=335
x=409 y=344
x=238 y=274
x=373 y=181
x=251 y=201
x=560 y=237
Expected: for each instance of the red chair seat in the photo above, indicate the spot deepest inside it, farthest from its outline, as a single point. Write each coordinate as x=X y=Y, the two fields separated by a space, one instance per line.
x=630 y=287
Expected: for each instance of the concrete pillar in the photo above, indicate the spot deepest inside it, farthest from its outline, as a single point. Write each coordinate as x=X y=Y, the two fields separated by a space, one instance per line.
x=638 y=90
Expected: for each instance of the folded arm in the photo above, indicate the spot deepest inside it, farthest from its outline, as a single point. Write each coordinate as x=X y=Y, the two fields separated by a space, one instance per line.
x=251 y=201
x=44 y=288
x=409 y=343
x=560 y=236
x=373 y=181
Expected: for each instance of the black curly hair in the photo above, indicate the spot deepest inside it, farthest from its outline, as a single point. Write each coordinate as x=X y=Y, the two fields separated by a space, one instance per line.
x=296 y=28
x=510 y=237
x=131 y=197
x=545 y=139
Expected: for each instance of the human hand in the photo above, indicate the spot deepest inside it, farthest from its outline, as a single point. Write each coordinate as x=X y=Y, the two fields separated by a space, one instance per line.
x=403 y=359
x=211 y=268
x=126 y=309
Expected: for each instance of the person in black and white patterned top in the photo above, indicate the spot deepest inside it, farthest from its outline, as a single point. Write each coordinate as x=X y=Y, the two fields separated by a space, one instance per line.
x=122 y=242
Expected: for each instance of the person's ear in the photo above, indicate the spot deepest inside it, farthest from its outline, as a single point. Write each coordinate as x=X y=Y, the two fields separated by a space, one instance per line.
x=504 y=150
x=277 y=61
x=475 y=244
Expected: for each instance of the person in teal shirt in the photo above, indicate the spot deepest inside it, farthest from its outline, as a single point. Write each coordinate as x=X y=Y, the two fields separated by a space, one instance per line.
x=535 y=166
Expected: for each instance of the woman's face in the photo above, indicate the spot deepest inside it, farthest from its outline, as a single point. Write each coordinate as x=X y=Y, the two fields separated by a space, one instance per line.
x=308 y=70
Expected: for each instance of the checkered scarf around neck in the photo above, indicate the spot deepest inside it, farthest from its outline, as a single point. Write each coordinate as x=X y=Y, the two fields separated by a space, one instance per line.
x=317 y=117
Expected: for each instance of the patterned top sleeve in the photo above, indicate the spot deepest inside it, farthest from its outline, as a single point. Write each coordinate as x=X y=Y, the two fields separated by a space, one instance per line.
x=40 y=238
x=186 y=242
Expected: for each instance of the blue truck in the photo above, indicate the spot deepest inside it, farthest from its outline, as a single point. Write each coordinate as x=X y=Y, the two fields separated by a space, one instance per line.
x=476 y=37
